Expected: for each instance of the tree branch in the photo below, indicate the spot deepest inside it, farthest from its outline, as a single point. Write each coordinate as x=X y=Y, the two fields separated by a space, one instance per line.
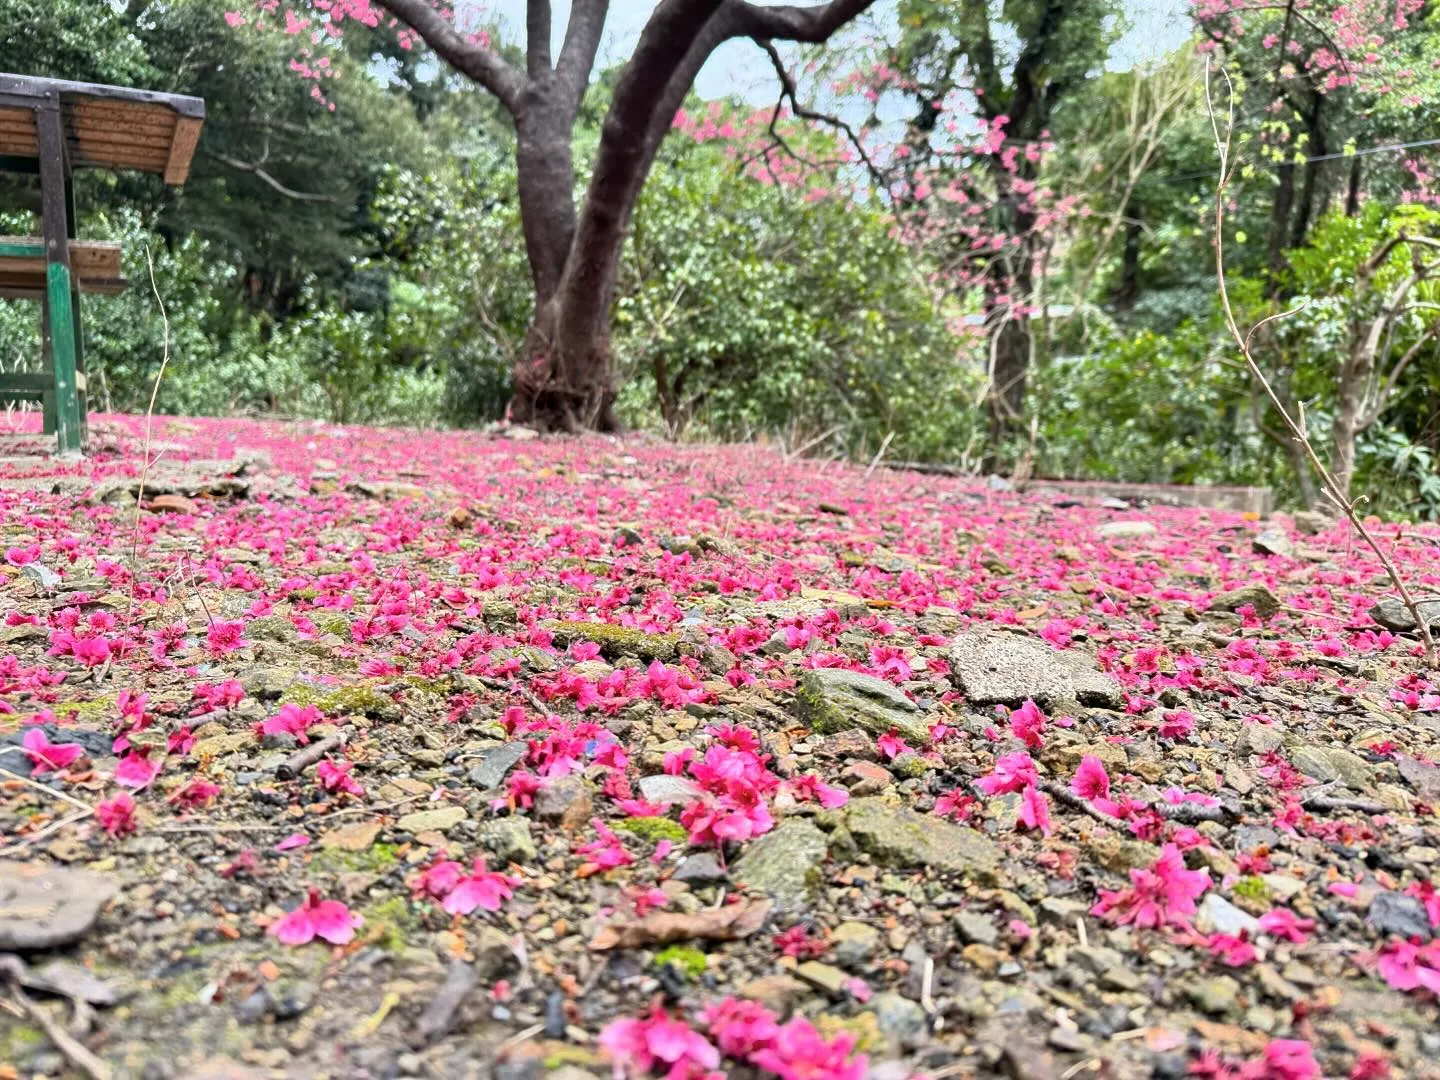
x=582 y=41
x=537 y=38
x=261 y=174
x=812 y=24
x=788 y=90
x=474 y=61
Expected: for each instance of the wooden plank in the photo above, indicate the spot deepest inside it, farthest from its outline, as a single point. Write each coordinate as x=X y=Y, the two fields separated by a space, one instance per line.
x=25 y=85
x=182 y=150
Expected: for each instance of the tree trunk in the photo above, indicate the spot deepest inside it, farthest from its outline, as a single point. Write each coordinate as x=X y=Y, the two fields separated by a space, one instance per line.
x=1128 y=288
x=1005 y=405
x=1280 y=215
x=1344 y=432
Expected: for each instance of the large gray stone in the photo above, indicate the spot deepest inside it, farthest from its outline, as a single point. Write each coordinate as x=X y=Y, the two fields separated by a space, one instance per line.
x=1125 y=530
x=1330 y=763
x=509 y=838
x=1394 y=615
x=831 y=700
x=495 y=764
x=1005 y=669
x=1396 y=913
x=44 y=906
x=785 y=864
x=1259 y=597
x=898 y=836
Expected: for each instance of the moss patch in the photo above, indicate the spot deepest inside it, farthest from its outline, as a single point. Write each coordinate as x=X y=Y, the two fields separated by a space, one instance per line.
x=391 y=922
x=362 y=697
x=654 y=829
x=686 y=959
x=375 y=859
x=616 y=641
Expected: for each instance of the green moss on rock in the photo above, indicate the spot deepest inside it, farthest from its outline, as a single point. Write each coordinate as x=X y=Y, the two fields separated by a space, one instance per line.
x=616 y=641
x=686 y=959
x=363 y=697
x=654 y=829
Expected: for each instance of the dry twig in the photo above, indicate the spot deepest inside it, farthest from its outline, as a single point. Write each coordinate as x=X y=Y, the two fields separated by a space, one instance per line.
x=1296 y=425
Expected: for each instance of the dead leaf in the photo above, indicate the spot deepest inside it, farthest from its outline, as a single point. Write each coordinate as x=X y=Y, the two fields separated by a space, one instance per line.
x=356 y=837
x=729 y=923
x=171 y=504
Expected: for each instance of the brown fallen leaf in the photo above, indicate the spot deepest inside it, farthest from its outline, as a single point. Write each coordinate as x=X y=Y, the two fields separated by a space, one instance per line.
x=171 y=504
x=728 y=923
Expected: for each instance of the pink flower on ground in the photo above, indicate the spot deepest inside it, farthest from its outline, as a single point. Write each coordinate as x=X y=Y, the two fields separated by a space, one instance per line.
x=336 y=777
x=328 y=919
x=291 y=719
x=194 y=794
x=1231 y=951
x=1035 y=810
x=1027 y=724
x=1407 y=966
x=437 y=880
x=1281 y=922
x=1013 y=772
x=1286 y=1059
x=799 y=1052
x=293 y=841
x=809 y=786
x=635 y=1046
x=225 y=637
x=1091 y=781
x=1176 y=725
x=739 y=1027
x=482 y=888
x=117 y=816
x=1161 y=896
x=135 y=769
x=798 y=941
x=891 y=744
x=953 y=804
x=46 y=756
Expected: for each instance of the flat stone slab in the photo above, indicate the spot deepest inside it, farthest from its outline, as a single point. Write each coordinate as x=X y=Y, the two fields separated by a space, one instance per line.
x=895 y=835
x=830 y=700
x=44 y=906
x=1005 y=669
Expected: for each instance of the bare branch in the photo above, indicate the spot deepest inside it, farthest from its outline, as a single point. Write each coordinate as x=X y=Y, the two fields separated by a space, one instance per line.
x=788 y=91
x=537 y=38
x=812 y=24
x=261 y=174
x=1296 y=427
x=475 y=61
x=1383 y=394
x=582 y=41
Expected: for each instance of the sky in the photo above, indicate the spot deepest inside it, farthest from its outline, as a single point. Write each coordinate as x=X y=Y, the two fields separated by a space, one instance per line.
x=738 y=67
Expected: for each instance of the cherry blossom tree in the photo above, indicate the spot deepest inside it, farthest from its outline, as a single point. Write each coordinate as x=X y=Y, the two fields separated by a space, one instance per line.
x=562 y=379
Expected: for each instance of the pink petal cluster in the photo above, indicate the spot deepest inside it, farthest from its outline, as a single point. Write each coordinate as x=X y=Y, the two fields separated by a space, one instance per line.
x=335 y=777
x=46 y=756
x=1161 y=896
x=328 y=919
x=116 y=815
x=637 y=1046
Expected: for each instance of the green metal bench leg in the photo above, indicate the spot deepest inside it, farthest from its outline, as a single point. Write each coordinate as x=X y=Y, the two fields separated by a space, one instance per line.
x=63 y=349
x=82 y=384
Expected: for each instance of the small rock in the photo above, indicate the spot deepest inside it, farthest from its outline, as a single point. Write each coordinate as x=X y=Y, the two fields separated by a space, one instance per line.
x=1259 y=597
x=900 y=1020
x=509 y=838
x=665 y=790
x=356 y=837
x=1125 y=530
x=984 y=958
x=775 y=992
x=565 y=800
x=834 y=699
x=1257 y=738
x=702 y=868
x=1216 y=996
x=824 y=977
x=495 y=765
x=898 y=836
x=430 y=759
x=974 y=928
x=785 y=864
x=1397 y=913
x=1218 y=915
x=1273 y=542
x=1311 y=522
x=1330 y=763
x=440 y=819
x=1392 y=614
x=866 y=778
x=1119 y=978
x=853 y=943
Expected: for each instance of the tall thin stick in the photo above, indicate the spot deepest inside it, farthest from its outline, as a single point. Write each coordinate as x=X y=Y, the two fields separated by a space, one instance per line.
x=1297 y=427
x=149 y=418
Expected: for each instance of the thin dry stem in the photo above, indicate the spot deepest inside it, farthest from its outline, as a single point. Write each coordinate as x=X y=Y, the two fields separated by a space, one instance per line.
x=1297 y=428
x=149 y=419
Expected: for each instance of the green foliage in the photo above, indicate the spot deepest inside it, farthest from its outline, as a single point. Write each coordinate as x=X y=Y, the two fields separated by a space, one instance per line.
x=748 y=306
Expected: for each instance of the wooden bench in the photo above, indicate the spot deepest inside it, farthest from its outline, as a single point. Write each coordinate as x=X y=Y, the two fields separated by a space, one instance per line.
x=51 y=127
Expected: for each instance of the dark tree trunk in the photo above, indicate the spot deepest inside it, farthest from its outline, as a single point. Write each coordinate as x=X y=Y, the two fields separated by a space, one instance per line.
x=1280 y=215
x=1352 y=188
x=1309 y=184
x=563 y=377
x=1128 y=287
